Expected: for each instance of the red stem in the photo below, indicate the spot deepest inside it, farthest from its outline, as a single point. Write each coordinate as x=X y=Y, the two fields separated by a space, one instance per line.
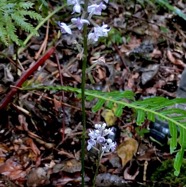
x=24 y=77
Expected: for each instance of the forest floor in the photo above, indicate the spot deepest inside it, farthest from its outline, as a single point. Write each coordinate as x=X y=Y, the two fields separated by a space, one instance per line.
x=40 y=130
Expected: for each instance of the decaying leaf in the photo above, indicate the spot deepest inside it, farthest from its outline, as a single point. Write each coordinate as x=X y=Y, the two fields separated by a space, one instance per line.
x=149 y=73
x=127 y=149
x=12 y=169
x=37 y=177
x=109 y=180
x=109 y=116
x=70 y=166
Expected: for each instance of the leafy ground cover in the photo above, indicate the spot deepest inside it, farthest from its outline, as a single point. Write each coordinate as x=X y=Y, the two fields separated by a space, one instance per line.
x=40 y=142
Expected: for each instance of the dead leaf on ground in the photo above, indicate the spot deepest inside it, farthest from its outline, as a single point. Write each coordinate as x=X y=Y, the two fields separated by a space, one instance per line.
x=109 y=117
x=37 y=177
x=12 y=169
x=127 y=149
x=128 y=176
x=149 y=73
x=69 y=166
x=174 y=60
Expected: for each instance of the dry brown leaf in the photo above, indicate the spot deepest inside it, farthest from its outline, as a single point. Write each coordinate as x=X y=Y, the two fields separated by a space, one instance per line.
x=37 y=177
x=12 y=169
x=174 y=60
x=33 y=146
x=128 y=176
x=109 y=117
x=127 y=149
x=70 y=166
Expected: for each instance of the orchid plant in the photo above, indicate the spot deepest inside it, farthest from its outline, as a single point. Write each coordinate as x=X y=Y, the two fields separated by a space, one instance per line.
x=86 y=10
x=94 y=8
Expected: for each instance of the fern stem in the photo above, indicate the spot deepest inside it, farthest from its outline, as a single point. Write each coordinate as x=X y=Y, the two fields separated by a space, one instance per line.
x=39 y=25
x=85 y=55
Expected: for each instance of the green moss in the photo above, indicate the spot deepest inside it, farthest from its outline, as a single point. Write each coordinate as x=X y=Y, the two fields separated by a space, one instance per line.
x=165 y=175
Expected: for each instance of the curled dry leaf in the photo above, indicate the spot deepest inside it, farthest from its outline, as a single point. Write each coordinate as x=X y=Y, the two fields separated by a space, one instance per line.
x=174 y=60
x=127 y=149
x=128 y=176
x=33 y=146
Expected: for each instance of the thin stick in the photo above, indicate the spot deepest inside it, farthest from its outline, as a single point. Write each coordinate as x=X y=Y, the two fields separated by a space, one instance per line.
x=61 y=99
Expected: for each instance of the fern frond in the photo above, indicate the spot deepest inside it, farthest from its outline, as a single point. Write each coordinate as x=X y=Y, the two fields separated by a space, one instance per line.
x=12 y=30
x=25 y=5
x=31 y=14
x=21 y=22
x=16 y=14
x=3 y=34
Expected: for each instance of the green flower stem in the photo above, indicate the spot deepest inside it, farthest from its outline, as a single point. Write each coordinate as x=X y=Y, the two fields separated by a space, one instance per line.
x=85 y=55
x=97 y=167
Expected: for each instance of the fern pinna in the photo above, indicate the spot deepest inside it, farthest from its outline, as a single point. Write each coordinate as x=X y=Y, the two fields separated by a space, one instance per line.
x=13 y=15
x=149 y=108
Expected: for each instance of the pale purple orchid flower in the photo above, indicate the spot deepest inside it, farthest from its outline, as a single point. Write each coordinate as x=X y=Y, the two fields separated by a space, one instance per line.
x=96 y=9
x=79 y=22
x=98 y=138
x=98 y=32
x=106 y=1
x=77 y=6
x=64 y=28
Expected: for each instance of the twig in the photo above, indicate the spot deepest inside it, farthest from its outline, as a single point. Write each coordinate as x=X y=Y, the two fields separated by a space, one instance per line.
x=44 y=44
x=120 y=56
x=62 y=99
x=24 y=77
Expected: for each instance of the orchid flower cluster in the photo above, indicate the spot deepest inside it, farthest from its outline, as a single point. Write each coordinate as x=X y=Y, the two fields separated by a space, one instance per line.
x=94 y=8
x=99 y=139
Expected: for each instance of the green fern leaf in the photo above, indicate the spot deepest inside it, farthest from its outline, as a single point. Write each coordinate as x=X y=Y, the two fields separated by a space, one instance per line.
x=119 y=110
x=140 y=117
x=98 y=105
x=173 y=140
x=178 y=161
x=25 y=5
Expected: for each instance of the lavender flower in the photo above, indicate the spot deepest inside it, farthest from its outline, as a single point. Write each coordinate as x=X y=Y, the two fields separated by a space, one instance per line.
x=64 y=28
x=98 y=32
x=98 y=138
x=77 y=6
x=79 y=22
x=96 y=9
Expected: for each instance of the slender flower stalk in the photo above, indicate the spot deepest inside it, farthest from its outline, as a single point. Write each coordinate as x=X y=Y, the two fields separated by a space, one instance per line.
x=88 y=9
x=85 y=56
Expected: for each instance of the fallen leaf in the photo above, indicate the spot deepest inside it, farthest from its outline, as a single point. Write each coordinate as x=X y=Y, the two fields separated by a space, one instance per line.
x=109 y=116
x=12 y=169
x=128 y=176
x=149 y=73
x=127 y=149
x=37 y=177
x=70 y=166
